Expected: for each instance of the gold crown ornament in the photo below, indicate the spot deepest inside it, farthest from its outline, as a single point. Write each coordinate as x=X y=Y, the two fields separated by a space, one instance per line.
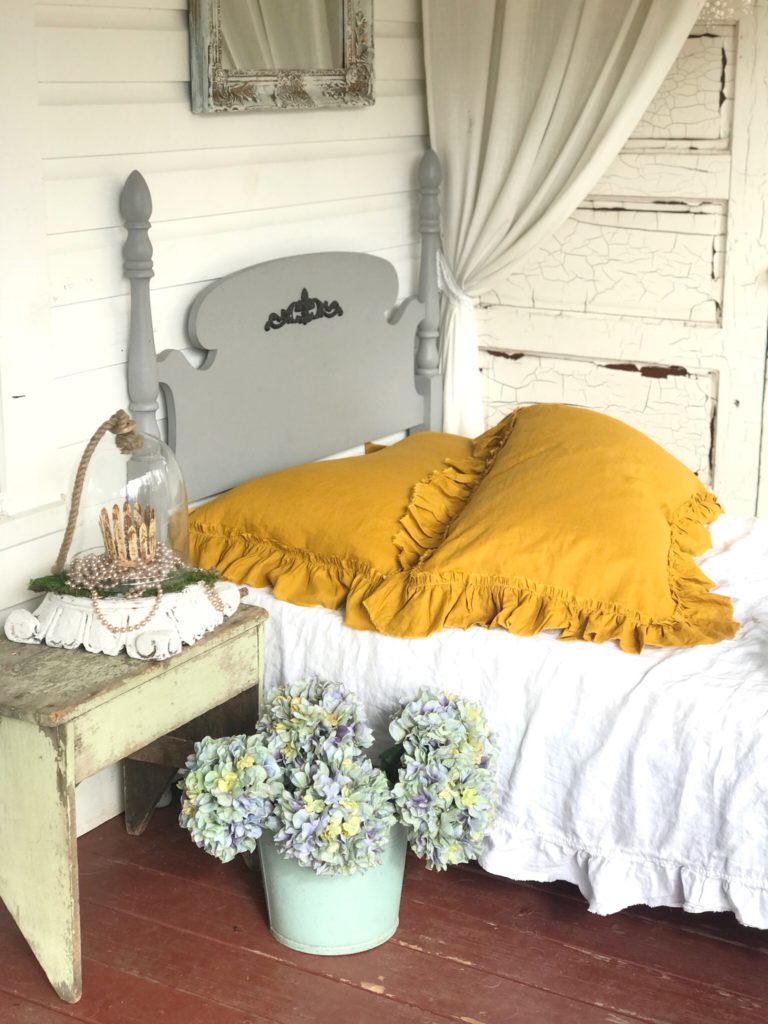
x=129 y=534
x=132 y=562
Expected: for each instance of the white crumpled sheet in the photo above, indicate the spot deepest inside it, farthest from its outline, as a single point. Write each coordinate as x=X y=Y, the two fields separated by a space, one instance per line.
x=640 y=778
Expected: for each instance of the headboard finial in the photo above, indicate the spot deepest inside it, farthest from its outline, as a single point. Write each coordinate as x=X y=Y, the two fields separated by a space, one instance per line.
x=430 y=171
x=135 y=199
x=135 y=208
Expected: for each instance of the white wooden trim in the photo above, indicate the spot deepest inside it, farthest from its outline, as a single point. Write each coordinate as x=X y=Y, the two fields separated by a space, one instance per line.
x=99 y=798
x=27 y=450
x=759 y=137
x=745 y=301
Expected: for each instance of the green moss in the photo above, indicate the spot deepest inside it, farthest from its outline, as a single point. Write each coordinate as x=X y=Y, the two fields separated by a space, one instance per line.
x=171 y=584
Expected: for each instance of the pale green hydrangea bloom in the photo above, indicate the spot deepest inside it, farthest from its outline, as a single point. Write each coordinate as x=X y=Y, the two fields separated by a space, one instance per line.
x=335 y=819
x=313 y=719
x=446 y=789
x=229 y=788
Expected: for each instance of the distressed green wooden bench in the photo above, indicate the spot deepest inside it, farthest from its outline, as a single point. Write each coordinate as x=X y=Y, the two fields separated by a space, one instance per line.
x=65 y=715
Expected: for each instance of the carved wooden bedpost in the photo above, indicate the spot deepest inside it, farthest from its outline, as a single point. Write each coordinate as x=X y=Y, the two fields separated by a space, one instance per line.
x=428 y=379
x=143 y=388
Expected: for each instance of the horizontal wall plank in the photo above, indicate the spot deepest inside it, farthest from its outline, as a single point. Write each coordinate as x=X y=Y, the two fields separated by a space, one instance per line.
x=83 y=94
x=76 y=16
x=337 y=172
x=107 y=55
x=114 y=94
x=395 y=10
x=47 y=519
x=23 y=563
x=83 y=401
x=160 y=53
x=76 y=131
x=163 y=5
x=221 y=158
x=399 y=57
x=86 y=265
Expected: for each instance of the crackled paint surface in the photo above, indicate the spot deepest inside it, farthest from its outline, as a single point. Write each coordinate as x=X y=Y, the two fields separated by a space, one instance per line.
x=661 y=259
x=659 y=175
x=674 y=407
x=695 y=101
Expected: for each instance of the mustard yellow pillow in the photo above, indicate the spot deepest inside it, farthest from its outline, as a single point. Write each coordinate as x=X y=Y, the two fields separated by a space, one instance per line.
x=574 y=522
x=319 y=531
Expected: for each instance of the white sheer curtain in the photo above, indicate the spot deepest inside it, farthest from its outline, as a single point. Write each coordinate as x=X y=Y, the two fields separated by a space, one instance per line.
x=529 y=102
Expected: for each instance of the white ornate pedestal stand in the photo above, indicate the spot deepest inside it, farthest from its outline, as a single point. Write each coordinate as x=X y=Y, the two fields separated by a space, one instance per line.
x=70 y=622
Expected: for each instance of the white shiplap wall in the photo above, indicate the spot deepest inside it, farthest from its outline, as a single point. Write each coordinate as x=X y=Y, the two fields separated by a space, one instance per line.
x=103 y=87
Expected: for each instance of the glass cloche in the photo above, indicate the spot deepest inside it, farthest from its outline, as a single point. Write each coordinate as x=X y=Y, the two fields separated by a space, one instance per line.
x=153 y=482
x=131 y=586
x=130 y=516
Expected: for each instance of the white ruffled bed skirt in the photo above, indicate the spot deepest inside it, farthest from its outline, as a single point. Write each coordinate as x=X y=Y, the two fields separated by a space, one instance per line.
x=614 y=880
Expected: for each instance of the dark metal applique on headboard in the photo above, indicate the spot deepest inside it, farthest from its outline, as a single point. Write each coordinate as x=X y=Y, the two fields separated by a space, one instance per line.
x=303 y=311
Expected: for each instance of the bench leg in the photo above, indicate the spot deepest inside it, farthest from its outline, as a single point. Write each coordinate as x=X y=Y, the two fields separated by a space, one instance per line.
x=143 y=785
x=38 y=847
x=147 y=772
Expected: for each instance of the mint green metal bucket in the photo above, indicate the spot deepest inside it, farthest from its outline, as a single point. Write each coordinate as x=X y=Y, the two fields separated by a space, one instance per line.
x=331 y=915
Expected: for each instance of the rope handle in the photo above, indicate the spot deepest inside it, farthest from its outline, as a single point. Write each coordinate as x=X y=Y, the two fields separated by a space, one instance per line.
x=127 y=440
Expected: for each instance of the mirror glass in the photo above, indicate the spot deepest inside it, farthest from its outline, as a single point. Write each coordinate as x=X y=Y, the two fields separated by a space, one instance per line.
x=274 y=34
x=280 y=54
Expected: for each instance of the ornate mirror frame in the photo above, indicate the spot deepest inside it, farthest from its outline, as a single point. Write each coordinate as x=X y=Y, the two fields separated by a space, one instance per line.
x=215 y=88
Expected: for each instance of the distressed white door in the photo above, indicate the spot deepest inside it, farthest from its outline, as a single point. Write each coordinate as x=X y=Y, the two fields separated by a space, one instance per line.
x=651 y=302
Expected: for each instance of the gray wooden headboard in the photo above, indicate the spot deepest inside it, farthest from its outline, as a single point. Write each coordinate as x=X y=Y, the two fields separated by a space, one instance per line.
x=303 y=356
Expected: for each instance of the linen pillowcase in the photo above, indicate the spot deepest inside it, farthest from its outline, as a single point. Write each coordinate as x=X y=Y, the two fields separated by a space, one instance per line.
x=322 y=532
x=574 y=521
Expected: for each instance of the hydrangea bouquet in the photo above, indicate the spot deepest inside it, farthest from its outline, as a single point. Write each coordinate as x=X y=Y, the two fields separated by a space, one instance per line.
x=445 y=784
x=304 y=776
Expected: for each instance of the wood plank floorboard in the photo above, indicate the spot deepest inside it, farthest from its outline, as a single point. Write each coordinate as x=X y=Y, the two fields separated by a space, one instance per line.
x=171 y=936
x=110 y=996
x=14 y=1008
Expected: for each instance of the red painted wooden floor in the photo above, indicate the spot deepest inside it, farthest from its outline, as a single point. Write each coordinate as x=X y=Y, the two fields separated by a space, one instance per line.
x=171 y=936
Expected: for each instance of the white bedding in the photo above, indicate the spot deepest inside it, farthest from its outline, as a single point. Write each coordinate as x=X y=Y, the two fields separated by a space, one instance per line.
x=641 y=778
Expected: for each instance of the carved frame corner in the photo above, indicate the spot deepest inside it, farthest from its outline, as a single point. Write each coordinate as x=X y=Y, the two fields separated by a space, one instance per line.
x=216 y=89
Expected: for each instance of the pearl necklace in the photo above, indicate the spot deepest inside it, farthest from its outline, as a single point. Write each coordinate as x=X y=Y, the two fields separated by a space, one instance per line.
x=100 y=572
